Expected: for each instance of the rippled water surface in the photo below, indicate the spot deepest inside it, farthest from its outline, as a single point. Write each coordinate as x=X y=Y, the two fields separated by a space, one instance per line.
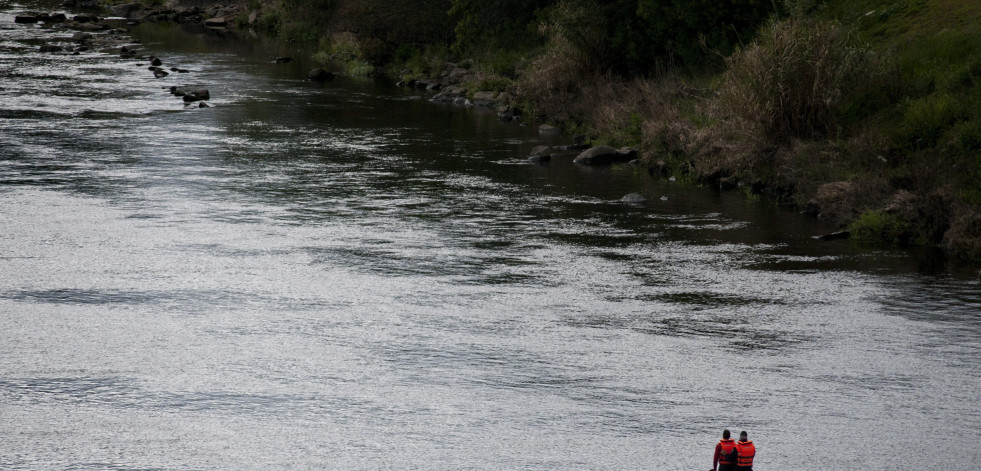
x=342 y=276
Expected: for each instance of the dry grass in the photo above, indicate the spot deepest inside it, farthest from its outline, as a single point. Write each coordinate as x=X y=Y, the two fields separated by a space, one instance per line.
x=792 y=81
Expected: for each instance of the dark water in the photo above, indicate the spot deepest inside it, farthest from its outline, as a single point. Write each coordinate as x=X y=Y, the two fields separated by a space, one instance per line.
x=346 y=276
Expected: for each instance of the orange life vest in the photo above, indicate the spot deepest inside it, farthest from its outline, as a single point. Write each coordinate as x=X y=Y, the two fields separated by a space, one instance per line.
x=746 y=452
x=725 y=453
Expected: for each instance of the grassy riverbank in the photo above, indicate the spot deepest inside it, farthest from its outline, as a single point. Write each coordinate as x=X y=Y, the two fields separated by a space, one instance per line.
x=862 y=112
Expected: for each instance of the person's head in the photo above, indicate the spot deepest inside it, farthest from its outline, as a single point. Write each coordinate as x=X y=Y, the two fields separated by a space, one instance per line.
x=743 y=436
x=725 y=434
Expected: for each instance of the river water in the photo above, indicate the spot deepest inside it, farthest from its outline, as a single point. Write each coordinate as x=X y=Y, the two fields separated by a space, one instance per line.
x=346 y=276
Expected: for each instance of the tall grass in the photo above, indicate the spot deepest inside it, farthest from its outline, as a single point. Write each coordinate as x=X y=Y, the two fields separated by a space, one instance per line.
x=792 y=81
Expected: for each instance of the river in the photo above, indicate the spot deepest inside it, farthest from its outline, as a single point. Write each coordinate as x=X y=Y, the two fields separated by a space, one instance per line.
x=347 y=276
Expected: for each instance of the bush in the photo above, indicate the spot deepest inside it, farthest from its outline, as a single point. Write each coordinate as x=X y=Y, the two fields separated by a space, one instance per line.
x=881 y=228
x=792 y=82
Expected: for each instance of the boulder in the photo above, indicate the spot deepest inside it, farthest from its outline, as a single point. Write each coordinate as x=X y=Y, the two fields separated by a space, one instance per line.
x=485 y=99
x=50 y=48
x=126 y=10
x=57 y=18
x=450 y=94
x=156 y=62
x=25 y=19
x=217 y=22
x=541 y=151
x=159 y=73
x=81 y=37
x=282 y=60
x=834 y=236
x=540 y=159
x=197 y=95
x=85 y=19
x=320 y=75
x=605 y=155
x=549 y=130
x=92 y=27
x=633 y=198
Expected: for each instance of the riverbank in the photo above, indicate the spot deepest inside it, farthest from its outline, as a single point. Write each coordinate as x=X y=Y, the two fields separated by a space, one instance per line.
x=864 y=114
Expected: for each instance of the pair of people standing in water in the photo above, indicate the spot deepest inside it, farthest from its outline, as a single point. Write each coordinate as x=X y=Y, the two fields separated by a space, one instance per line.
x=731 y=455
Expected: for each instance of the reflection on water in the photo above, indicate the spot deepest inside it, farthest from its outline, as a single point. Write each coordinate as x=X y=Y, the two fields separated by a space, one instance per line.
x=344 y=275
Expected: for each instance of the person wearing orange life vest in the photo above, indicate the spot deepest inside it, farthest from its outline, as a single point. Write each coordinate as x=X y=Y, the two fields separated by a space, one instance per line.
x=745 y=452
x=725 y=454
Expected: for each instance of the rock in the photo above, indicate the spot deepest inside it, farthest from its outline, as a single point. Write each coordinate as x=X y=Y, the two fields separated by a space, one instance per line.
x=282 y=60
x=160 y=73
x=81 y=37
x=50 y=48
x=92 y=27
x=25 y=19
x=203 y=105
x=253 y=16
x=217 y=22
x=835 y=236
x=174 y=69
x=56 y=18
x=153 y=68
x=197 y=95
x=450 y=94
x=85 y=19
x=540 y=159
x=633 y=198
x=126 y=10
x=434 y=87
x=628 y=153
x=320 y=75
x=548 y=130
x=485 y=99
x=541 y=151
x=605 y=155
x=183 y=71
x=156 y=62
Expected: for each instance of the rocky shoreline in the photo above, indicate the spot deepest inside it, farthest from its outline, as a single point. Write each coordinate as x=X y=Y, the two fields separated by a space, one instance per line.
x=94 y=33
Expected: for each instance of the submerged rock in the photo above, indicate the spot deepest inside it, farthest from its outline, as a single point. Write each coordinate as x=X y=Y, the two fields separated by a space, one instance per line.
x=548 y=130
x=160 y=73
x=605 y=155
x=320 y=75
x=51 y=48
x=217 y=22
x=835 y=236
x=633 y=198
x=196 y=95
x=25 y=19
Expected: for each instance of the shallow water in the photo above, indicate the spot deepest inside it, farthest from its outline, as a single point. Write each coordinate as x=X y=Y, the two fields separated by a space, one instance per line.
x=347 y=276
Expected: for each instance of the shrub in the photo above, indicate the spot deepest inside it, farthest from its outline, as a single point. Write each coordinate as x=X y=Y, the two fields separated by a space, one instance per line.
x=881 y=228
x=792 y=82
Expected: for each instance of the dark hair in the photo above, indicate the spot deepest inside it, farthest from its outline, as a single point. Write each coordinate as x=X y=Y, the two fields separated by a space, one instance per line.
x=725 y=434
x=743 y=434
